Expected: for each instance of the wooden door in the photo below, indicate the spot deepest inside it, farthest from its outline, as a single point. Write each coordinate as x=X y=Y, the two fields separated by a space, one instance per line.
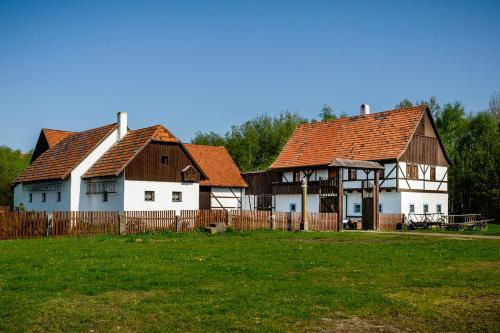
x=367 y=213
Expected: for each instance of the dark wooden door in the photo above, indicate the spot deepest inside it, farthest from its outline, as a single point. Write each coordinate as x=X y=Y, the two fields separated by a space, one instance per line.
x=205 y=199
x=367 y=213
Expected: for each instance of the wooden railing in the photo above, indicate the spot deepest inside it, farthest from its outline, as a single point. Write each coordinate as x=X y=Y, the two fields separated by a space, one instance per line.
x=325 y=186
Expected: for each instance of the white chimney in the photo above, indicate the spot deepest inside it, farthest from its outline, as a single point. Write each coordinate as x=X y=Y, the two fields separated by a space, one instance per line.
x=365 y=109
x=121 y=124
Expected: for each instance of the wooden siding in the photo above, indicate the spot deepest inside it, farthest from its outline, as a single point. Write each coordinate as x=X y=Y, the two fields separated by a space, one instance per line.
x=260 y=182
x=424 y=147
x=146 y=165
x=205 y=198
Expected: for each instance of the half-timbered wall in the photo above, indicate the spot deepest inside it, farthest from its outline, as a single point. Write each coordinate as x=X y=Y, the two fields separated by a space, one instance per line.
x=423 y=182
x=146 y=166
x=225 y=198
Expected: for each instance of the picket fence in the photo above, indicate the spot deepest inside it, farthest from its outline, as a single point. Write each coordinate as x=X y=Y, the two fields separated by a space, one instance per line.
x=64 y=223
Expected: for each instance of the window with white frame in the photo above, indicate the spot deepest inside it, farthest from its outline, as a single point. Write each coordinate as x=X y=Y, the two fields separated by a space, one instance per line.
x=293 y=207
x=412 y=208
x=426 y=208
x=30 y=199
x=58 y=198
x=438 y=208
x=380 y=208
x=357 y=208
x=44 y=197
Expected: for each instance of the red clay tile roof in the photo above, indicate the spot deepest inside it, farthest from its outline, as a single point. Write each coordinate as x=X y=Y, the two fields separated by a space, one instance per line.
x=119 y=156
x=218 y=165
x=376 y=136
x=53 y=136
x=58 y=161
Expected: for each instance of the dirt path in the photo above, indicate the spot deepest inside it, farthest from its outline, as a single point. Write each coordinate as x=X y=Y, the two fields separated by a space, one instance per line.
x=431 y=234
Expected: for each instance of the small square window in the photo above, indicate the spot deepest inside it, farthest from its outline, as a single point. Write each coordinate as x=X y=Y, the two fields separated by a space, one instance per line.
x=44 y=197
x=104 y=196
x=412 y=208
x=149 y=195
x=176 y=196
x=438 y=208
x=30 y=197
x=296 y=176
x=58 y=197
x=426 y=208
x=433 y=173
x=293 y=207
x=357 y=208
x=164 y=160
x=380 y=208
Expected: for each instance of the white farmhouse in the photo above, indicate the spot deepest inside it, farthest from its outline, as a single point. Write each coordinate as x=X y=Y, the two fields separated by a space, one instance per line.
x=111 y=168
x=341 y=158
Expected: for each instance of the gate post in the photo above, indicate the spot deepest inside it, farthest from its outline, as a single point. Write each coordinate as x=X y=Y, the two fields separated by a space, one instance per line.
x=123 y=224
x=304 y=225
x=178 y=223
x=273 y=222
x=229 y=219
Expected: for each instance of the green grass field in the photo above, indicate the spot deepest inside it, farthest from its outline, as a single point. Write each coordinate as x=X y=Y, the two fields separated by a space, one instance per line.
x=493 y=230
x=259 y=281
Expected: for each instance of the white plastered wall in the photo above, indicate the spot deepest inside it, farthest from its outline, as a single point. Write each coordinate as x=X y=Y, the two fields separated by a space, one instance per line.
x=283 y=201
x=225 y=198
x=21 y=195
x=134 y=195
x=420 y=198
x=94 y=201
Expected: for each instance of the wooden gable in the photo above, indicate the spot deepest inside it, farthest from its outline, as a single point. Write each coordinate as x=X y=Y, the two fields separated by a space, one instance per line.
x=425 y=146
x=148 y=166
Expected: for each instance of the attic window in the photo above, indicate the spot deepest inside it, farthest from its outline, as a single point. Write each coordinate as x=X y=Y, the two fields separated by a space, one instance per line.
x=189 y=174
x=164 y=160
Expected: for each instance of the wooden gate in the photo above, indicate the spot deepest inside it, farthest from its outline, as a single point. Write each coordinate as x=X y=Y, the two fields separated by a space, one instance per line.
x=367 y=213
x=328 y=204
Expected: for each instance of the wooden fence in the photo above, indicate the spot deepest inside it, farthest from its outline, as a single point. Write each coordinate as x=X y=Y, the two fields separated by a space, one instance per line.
x=83 y=223
x=4 y=208
x=389 y=222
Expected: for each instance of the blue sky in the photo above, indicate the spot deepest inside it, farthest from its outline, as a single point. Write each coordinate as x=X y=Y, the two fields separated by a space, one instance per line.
x=210 y=64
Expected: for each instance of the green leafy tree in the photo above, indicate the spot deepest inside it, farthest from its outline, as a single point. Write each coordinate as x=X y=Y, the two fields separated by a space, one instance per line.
x=12 y=163
x=256 y=143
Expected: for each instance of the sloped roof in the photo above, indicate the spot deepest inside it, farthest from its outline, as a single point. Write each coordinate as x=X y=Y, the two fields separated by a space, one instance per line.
x=119 y=156
x=53 y=136
x=377 y=136
x=218 y=165
x=58 y=161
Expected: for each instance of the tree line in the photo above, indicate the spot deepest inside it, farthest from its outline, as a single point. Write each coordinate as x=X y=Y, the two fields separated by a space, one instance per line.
x=471 y=140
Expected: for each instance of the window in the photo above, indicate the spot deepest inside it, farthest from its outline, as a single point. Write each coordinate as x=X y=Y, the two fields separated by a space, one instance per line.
x=380 y=208
x=353 y=175
x=58 y=197
x=293 y=207
x=44 y=197
x=411 y=171
x=296 y=176
x=149 y=195
x=164 y=160
x=412 y=208
x=438 y=208
x=426 y=208
x=30 y=197
x=104 y=196
x=433 y=173
x=176 y=196
x=357 y=208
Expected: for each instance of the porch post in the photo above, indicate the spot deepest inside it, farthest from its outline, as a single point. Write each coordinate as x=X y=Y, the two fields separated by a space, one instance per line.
x=340 y=199
x=376 y=196
x=303 y=221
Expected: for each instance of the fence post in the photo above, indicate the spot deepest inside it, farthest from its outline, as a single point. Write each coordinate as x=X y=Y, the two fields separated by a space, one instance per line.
x=178 y=223
x=273 y=222
x=50 y=219
x=289 y=220
x=123 y=224
x=229 y=219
